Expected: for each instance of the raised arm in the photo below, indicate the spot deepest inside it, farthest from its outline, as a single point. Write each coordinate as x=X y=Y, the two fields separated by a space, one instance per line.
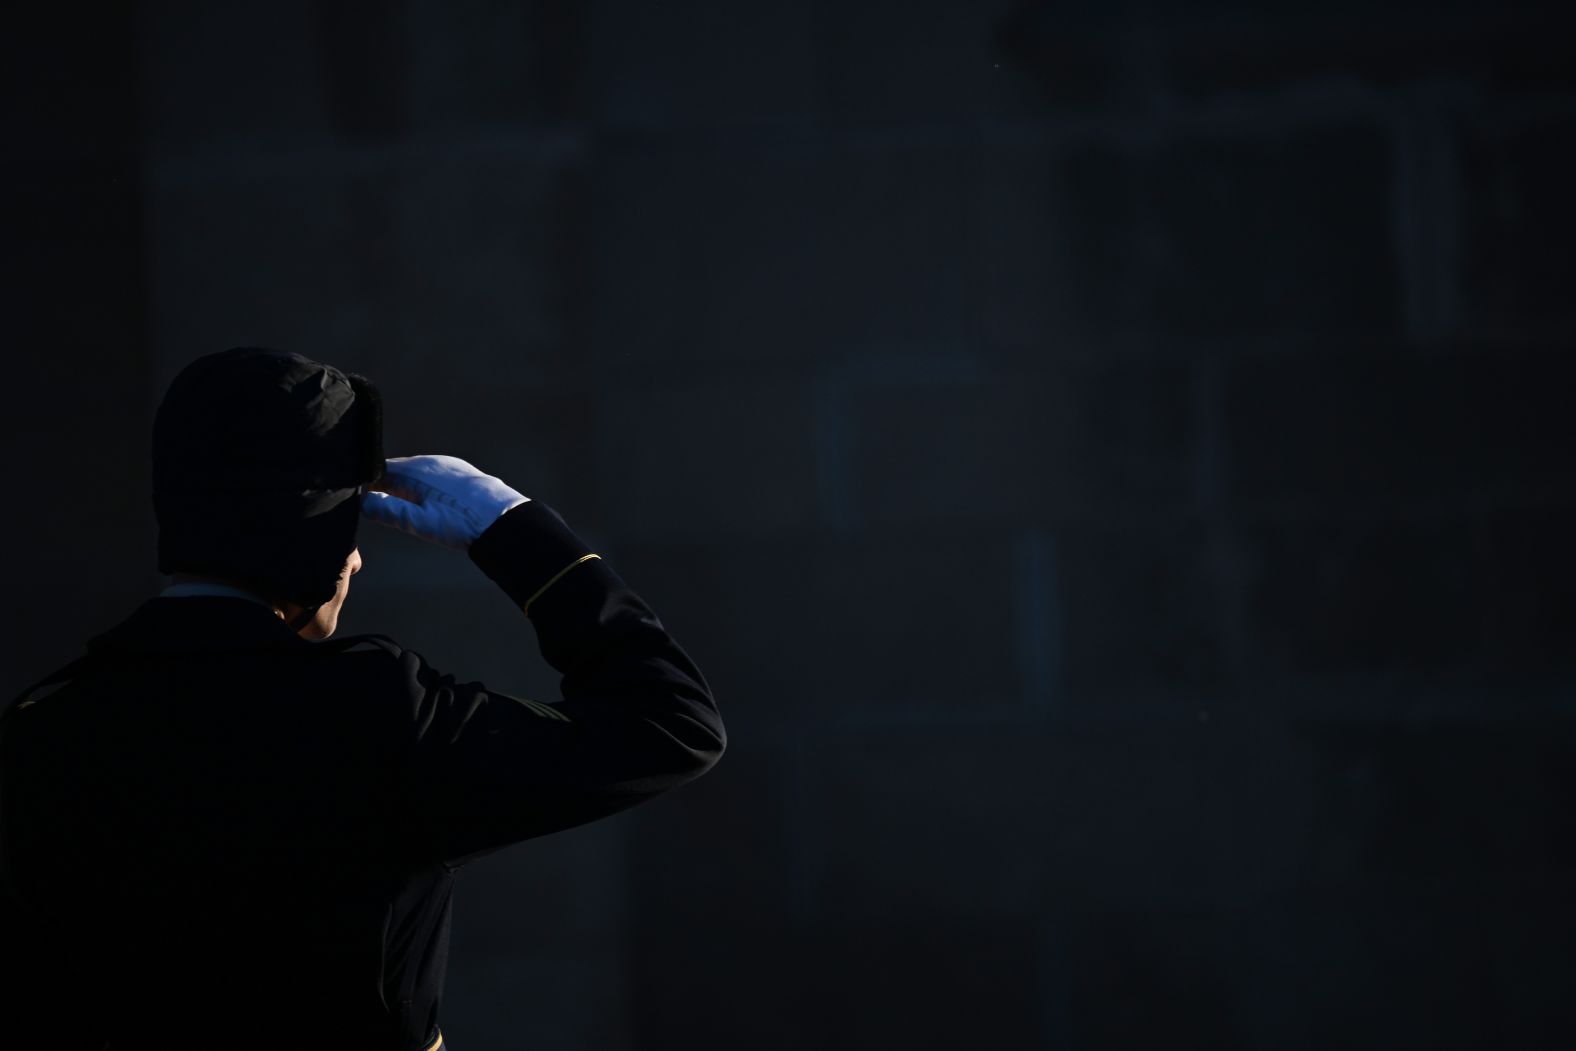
x=636 y=717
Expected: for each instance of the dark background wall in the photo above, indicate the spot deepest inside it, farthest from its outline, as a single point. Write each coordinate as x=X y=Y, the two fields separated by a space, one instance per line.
x=1112 y=462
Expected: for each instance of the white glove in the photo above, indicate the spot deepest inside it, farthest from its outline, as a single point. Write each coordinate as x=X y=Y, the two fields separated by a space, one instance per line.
x=440 y=499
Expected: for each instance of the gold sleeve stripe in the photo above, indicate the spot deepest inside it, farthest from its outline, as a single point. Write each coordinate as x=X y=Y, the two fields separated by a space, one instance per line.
x=526 y=609
x=40 y=693
x=436 y=1045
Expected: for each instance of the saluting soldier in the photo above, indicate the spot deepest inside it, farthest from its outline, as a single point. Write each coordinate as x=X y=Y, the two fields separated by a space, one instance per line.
x=221 y=829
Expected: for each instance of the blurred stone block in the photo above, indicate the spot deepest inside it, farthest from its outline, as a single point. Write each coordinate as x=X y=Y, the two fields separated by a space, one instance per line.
x=943 y=984
x=704 y=64
x=717 y=457
x=488 y=246
x=917 y=620
x=303 y=261
x=215 y=76
x=503 y=1003
x=1382 y=429
x=778 y=251
x=398 y=262
x=1229 y=235
x=743 y=610
x=1143 y=976
x=1065 y=442
x=1526 y=575
x=1023 y=820
x=1519 y=241
x=873 y=624
x=1222 y=47
x=1331 y=596
x=889 y=62
x=483 y=63
x=560 y=897
x=1143 y=612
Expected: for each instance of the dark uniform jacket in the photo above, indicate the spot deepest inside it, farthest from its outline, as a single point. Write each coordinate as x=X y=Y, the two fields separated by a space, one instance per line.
x=218 y=834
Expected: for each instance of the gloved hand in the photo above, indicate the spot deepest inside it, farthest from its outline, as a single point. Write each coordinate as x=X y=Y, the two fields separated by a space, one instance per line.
x=440 y=499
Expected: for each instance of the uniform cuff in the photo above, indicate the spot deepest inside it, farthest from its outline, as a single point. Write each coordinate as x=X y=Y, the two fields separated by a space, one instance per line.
x=526 y=548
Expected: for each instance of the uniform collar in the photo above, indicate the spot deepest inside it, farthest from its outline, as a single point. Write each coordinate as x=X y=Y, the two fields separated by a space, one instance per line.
x=189 y=623
x=207 y=588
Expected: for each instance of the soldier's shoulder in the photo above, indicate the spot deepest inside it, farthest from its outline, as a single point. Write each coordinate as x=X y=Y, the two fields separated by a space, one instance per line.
x=375 y=663
x=368 y=643
x=356 y=654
